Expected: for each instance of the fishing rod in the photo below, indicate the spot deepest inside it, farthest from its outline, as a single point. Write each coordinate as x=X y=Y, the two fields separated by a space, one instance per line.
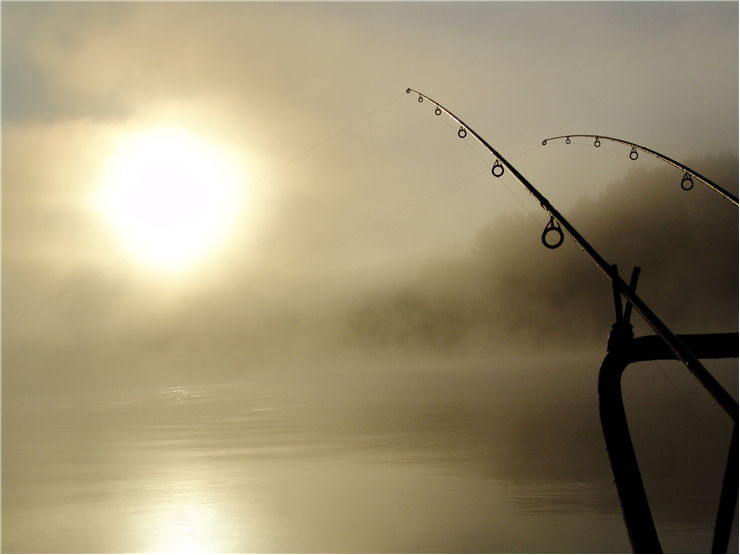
x=682 y=353
x=687 y=183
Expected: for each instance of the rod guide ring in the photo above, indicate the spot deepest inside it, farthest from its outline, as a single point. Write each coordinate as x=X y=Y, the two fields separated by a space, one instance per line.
x=462 y=132
x=553 y=227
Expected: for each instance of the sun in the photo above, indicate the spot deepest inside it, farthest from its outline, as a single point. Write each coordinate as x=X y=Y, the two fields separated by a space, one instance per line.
x=171 y=196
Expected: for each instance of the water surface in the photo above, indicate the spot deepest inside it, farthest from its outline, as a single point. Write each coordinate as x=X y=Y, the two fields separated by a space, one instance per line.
x=449 y=458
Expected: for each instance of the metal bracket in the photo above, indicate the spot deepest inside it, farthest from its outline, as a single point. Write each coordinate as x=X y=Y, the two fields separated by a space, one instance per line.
x=623 y=349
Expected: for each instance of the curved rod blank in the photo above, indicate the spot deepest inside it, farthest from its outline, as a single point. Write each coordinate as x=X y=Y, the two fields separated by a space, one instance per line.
x=687 y=170
x=682 y=353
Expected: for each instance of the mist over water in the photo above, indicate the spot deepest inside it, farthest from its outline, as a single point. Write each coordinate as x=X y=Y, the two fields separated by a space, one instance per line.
x=377 y=354
x=451 y=408
x=501 y=291
x=484 y=457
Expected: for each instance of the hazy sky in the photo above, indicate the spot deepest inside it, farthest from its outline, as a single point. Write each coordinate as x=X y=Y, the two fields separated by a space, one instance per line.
x=231 y=239
x=267 y=83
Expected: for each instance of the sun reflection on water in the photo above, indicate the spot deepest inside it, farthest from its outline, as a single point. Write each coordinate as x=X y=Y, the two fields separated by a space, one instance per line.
x=188 y=527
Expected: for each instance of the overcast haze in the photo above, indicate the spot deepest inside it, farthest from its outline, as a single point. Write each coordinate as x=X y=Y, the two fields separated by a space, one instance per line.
x=366 y=234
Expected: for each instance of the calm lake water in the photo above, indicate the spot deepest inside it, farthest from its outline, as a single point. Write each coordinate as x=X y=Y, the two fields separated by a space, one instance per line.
x=486 y=457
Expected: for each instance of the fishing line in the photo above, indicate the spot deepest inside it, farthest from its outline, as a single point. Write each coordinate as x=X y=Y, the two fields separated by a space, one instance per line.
x=681 y=395
x=321 y=142
x=704 y=199
x=359 y=230
x=514 y=196
x=506 y=177
x=476 y=147
x=535 y=147
x=99 y=273
x=519 y=201
x=365 y=227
